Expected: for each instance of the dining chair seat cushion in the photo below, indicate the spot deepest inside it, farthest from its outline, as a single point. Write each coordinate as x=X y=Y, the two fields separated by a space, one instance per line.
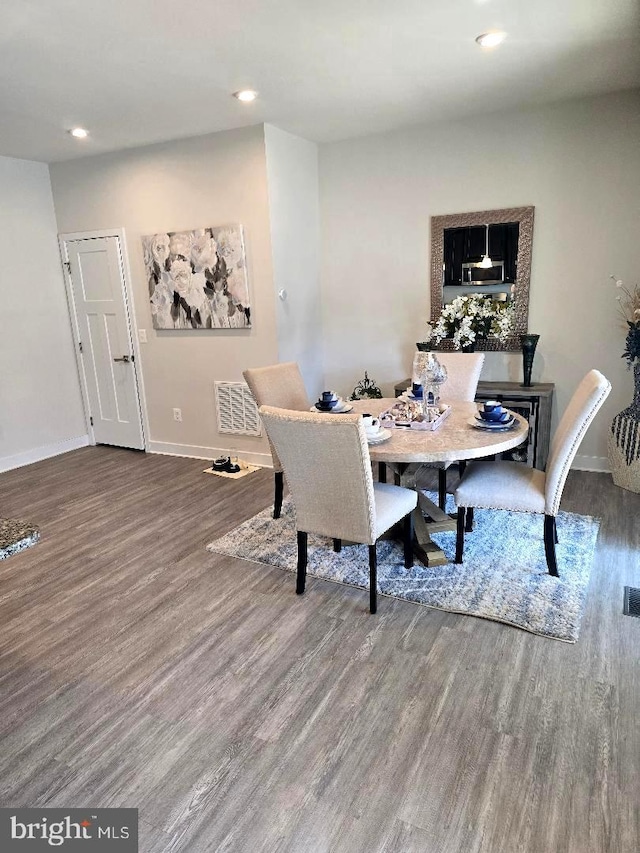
x=502 y=485
x=392 y=504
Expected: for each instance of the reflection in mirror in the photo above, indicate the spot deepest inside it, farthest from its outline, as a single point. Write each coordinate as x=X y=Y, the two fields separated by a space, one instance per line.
x=488 y=252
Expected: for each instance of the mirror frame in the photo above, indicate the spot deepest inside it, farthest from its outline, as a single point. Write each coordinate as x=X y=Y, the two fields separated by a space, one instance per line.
x=522 y=215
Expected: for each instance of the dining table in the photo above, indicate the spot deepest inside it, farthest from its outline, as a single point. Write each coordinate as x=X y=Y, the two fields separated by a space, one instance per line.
x=457 y=439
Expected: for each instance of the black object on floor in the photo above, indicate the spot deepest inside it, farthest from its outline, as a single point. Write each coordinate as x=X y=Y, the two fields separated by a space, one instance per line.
x=224 y=463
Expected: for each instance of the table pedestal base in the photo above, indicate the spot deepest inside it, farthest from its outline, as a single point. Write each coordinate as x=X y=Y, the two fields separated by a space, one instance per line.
x=425 y=549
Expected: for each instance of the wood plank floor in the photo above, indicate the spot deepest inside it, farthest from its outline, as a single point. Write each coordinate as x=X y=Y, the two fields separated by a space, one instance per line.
x=138 y=670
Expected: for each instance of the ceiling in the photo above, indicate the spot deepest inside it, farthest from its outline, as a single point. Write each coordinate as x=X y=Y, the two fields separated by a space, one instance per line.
x=141 y=71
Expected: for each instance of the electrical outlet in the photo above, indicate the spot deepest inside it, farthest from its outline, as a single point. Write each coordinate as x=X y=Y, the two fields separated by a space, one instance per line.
x=177 y=414
x=142 y=336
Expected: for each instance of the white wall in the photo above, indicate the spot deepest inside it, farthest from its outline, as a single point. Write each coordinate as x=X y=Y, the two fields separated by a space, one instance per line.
x=292 y=174
x=40 y=404
x=192 y=183
x=577 y=162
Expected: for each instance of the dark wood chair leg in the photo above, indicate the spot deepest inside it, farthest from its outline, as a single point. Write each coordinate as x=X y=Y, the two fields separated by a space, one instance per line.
x=468 y=526
x=550 y=545
x=408 y=540
x=302 y=562
x=337 y=545
x=442 y=488
x=277 y=501
x=555 y=530
x=462 y=511
x=382 y=472
x=373 y=578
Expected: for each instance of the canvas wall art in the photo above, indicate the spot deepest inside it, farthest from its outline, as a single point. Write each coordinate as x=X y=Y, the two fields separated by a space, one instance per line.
x=198 y=279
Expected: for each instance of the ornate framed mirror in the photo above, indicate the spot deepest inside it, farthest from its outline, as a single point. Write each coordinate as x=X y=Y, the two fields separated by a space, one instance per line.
x=488 y=252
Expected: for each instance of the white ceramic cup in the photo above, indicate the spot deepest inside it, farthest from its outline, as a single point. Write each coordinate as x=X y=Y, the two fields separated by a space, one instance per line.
x=371 y=424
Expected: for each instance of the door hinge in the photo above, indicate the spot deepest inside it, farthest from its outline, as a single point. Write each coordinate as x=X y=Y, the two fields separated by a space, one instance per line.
x=67 y=266
x=80 y=345
x=91 y=420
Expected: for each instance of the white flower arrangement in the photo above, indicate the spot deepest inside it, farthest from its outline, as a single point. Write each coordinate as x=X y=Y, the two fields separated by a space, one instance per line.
x=468 y=318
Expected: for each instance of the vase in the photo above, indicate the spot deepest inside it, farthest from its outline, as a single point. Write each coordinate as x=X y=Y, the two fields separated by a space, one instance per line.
x=624 y=441
x=433 y=375
x=423 y=346
x=468 y=347
x=528 y=344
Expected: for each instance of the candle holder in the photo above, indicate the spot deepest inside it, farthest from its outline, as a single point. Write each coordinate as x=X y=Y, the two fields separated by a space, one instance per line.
x=528 y=344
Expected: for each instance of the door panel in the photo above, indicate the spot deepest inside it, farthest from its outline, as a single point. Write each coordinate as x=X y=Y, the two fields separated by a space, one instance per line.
x=99 y=298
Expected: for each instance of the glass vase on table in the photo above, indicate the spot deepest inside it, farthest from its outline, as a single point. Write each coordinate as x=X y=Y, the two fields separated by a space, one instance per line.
x=433 y=376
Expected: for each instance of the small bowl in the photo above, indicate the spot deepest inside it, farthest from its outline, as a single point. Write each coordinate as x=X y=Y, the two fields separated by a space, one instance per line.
x=326 y=405
x=495 y=417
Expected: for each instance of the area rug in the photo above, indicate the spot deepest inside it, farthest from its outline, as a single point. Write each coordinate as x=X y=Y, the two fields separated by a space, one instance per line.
x=16 y=536
x=503 y=576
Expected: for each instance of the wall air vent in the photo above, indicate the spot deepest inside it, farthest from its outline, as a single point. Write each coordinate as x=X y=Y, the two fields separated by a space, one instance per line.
x=236 y=409
x=631 y=604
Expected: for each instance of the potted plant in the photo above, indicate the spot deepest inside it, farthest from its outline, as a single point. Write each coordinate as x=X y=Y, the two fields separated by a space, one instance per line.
x=472 y=317
x=624 y=438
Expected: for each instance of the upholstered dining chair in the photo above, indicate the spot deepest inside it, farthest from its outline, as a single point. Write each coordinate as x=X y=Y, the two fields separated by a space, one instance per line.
x=514 y=486
x=328 y=469
x=278 y=385
x=463 y=375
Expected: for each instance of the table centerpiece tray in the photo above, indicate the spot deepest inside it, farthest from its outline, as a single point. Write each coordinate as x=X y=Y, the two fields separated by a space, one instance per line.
x=417 y=417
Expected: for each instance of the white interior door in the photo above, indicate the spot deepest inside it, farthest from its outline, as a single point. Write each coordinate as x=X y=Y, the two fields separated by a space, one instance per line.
x=107 y=356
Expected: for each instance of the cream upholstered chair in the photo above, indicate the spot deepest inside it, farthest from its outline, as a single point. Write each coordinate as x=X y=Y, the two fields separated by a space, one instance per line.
x=463 y=375
x=515 y=486
x=278 y=385
x=328 y=469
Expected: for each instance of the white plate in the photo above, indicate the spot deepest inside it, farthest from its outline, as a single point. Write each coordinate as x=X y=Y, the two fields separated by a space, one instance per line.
x=337 y=410
x=382 y=435
x=497 y=428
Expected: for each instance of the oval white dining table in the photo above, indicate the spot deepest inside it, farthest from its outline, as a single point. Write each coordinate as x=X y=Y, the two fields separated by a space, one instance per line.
x=456 y=440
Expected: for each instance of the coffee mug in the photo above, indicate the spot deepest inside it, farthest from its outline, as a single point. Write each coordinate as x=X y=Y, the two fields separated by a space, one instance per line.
x=371 y=424
x=490 y=405
x=328 y=396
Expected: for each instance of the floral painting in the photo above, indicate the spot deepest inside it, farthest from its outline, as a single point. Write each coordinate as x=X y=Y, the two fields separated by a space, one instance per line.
x=198 y=279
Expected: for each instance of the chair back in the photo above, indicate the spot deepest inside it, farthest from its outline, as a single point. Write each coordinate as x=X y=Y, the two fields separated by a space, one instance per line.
x=326 y=461
x=582 y=409
x=463 y=374
x=278 y=385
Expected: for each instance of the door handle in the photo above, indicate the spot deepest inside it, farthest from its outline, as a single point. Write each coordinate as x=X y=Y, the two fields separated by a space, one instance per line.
x=124 y=358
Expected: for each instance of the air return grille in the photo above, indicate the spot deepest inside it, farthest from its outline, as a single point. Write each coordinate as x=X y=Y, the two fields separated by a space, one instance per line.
x=237 y=411
x=631 y=601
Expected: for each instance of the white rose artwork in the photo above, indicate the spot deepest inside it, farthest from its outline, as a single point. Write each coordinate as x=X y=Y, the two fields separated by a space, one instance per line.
x=198 y=279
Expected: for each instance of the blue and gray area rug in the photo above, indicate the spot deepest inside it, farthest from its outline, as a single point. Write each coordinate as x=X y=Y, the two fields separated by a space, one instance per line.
x=16 y=536
x=503 y=577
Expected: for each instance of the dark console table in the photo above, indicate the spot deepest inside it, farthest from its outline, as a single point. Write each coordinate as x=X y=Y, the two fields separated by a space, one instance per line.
x=533 y=403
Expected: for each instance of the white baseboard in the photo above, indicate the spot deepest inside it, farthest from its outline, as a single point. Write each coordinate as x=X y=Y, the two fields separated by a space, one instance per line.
x=592 y=463
x=28 y=457
x=192 y=451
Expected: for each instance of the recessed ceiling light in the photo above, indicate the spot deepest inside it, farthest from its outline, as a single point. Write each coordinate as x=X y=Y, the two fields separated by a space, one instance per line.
x=246 y=95
x=491 y=39
x=79 y=132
